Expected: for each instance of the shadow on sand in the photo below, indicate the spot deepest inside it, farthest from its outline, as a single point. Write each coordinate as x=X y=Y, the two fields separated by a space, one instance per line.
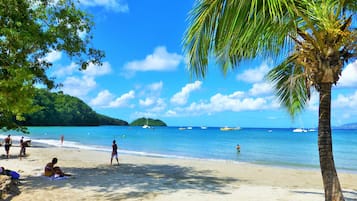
x=142 y=179
x=349 y=195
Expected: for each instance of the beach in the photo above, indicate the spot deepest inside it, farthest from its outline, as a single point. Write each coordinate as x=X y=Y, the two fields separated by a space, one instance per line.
x=157 y=178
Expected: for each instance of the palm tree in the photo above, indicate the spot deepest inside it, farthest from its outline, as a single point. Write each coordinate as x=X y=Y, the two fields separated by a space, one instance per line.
x=313 y=38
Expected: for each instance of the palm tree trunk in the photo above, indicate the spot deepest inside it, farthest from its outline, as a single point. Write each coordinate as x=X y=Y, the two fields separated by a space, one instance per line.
x=333 y=191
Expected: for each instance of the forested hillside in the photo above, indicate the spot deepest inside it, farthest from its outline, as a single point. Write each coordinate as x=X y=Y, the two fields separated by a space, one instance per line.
x=147 y=121
x=58 y=109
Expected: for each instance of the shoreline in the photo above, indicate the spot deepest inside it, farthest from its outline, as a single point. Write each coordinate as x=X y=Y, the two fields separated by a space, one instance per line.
x=153 y=178
x=165 y=156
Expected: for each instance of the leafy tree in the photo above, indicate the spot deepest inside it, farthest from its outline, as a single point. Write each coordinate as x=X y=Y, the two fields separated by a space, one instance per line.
x=29 y=30
x=57 y=109
x=315 y=38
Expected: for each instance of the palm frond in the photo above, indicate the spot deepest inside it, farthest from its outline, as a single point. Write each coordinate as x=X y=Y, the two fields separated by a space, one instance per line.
x=290 y=83
x=235 y=30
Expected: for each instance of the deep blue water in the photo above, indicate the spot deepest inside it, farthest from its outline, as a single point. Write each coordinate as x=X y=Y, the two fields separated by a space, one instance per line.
x=280 y=147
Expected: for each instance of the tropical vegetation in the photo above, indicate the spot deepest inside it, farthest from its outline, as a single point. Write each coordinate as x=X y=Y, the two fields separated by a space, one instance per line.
x=57 y=109
x=29 y=31
x=147 y=121
x=312 y=40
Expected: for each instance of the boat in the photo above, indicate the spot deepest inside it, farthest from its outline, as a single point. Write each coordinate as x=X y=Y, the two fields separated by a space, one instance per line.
x=182 y=128
x=189 y=128
x=299 y=130
x=147 y=124
x=203 y=127
x=229 y=128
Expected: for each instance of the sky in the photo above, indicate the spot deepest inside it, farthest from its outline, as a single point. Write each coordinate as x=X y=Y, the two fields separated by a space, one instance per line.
x=144 y=74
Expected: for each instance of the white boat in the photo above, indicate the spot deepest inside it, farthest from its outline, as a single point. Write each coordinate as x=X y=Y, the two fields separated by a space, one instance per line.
x=203 y=127
x=147 y=124
x=299 y=130
x=189 y=128
x=229 y=128
x=182 y=128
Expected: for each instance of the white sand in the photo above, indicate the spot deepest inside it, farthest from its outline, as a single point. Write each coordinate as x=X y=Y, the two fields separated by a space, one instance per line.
x=163 y=179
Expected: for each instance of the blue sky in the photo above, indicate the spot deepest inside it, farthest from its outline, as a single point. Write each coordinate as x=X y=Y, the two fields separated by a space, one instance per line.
x=144 y=75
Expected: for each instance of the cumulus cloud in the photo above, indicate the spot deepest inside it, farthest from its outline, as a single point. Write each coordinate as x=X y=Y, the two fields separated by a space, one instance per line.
x=53 y=56
x=156 y=86
x=102 y=99
x=80 y=83
x=147 y=102
x=261 y=89
x=115 y=5
x=96 y=70
x=236 y=102
x=160 y=60
x=123 y=101
x=78 y=87
x=254 y=75
x=346 y=101
x=349 y=76
x=65 y=71
x=181 y=97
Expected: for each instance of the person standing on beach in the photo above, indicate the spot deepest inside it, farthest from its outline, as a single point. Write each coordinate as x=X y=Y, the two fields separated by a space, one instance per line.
x=62 y=139
x=23 y=148
x=114 y=152
x=8 y=143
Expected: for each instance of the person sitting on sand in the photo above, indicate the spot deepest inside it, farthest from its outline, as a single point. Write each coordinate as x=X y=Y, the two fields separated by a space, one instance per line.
x=52 y=170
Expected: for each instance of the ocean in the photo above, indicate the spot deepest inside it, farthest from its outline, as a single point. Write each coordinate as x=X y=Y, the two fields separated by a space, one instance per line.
x=275 y=147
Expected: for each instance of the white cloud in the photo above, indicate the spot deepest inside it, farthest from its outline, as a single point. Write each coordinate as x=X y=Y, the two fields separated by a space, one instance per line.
x=53 y=56
x=96 y=70
x=65 y=71
x=123 y=101
x=78 y=87
x=159 y=106
x=102 y=99
x=160 y=60
x=349 y=76
x=147 y=102
x=156 y=86
x=181 y=97
x=261 y=88
x=254 y=75
x=344 y=101
x=235 y=102
x=116 y=5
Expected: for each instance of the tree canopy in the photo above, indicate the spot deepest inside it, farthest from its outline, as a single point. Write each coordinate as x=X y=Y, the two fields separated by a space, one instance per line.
x=57 y=109
x=29 y=31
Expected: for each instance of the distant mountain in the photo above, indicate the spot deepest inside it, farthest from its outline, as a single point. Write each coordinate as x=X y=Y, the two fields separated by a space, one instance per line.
x=57 y=109
x=147 y=121
x=348 y=126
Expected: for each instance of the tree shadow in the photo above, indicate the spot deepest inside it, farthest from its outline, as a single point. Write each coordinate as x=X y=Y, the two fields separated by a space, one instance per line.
x=142 y=179
x=349 y=195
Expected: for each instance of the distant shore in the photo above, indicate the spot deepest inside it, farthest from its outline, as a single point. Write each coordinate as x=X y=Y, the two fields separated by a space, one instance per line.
x=148 y=178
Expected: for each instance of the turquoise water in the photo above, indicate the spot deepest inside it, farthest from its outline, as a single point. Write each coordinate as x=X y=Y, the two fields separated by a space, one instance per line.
x=279 y=147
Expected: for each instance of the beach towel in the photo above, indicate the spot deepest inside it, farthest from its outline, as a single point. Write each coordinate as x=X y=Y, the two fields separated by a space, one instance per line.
x=14 y=175
x=55 y=177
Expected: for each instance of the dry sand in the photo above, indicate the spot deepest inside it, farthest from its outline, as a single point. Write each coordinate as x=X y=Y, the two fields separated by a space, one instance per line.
x=148 y=178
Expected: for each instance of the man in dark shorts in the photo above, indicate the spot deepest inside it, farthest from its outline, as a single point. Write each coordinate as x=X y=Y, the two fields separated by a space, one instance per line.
x=114 y=152
x=8 y=143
